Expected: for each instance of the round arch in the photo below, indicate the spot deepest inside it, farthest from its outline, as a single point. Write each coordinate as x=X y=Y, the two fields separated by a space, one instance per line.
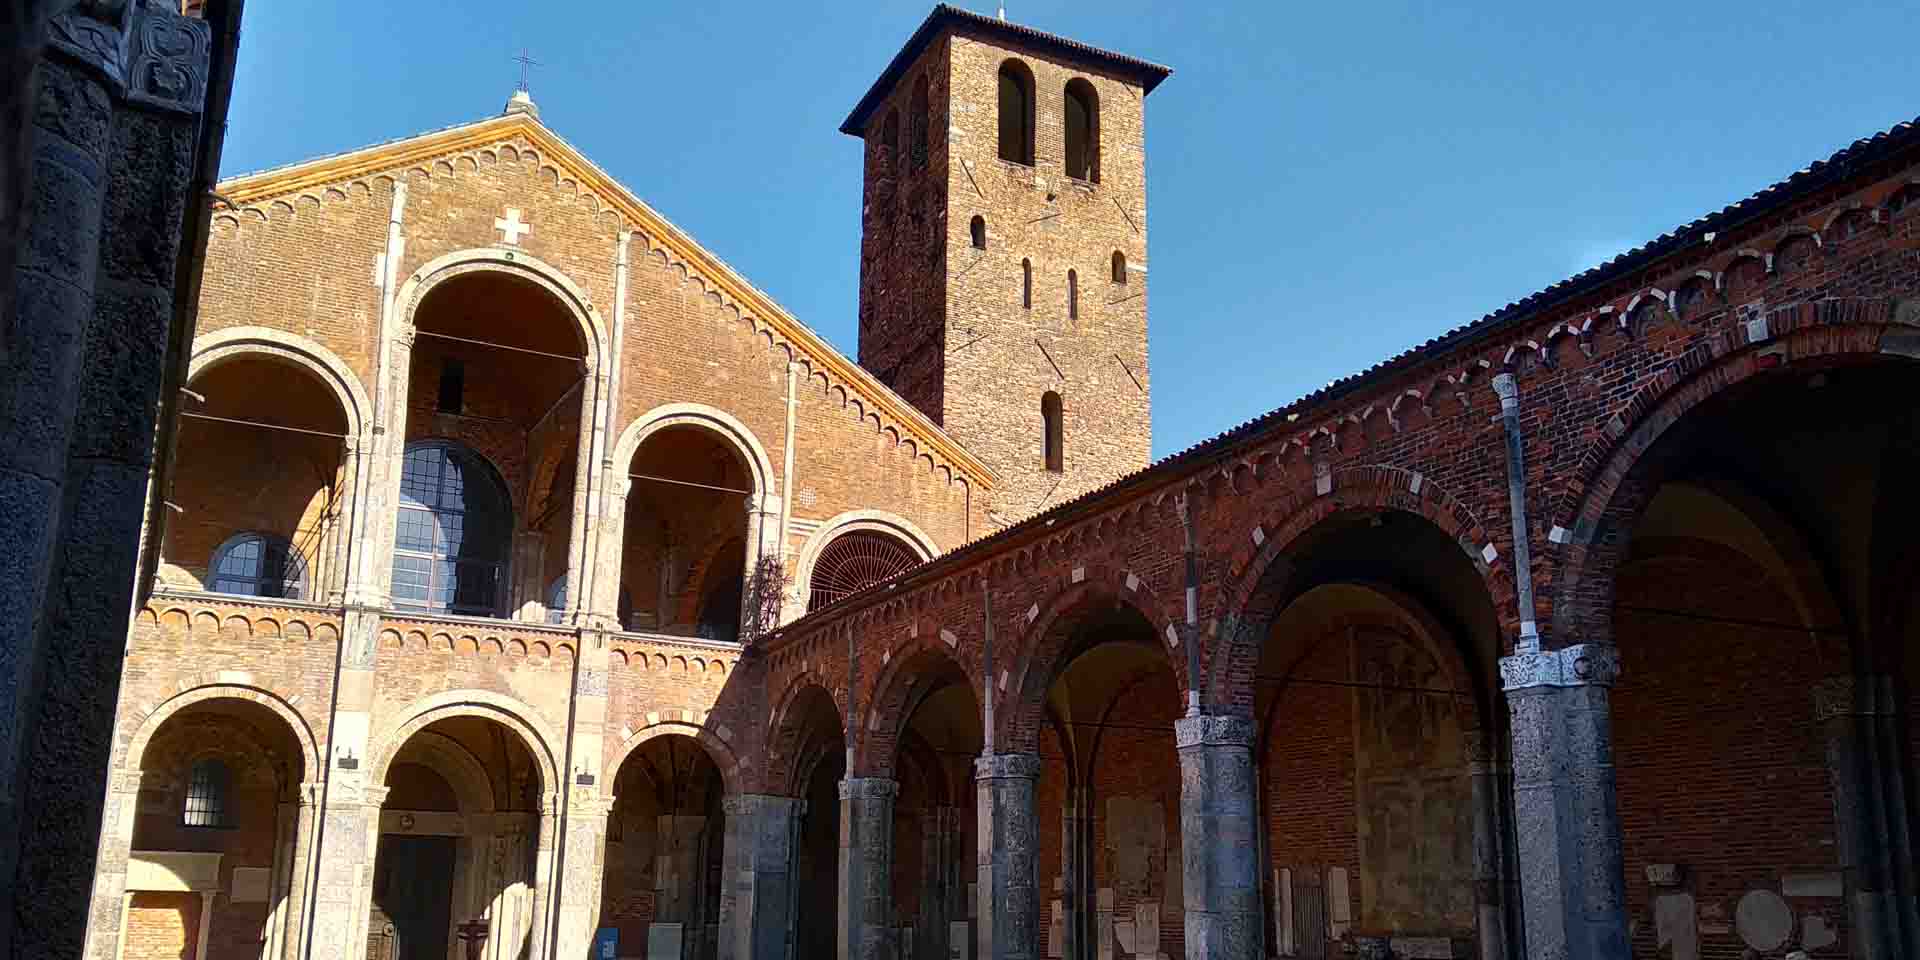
x=711 y=419
x=514 y=263
x=213 y=349
x=508 y=712
x=1248 y=607
x=1611 y=492
x=458 y=766
x=282 y=707
x=1048 y=654
x=908 y=678
x=852 y=521
x=783 y=773
x=718 y=750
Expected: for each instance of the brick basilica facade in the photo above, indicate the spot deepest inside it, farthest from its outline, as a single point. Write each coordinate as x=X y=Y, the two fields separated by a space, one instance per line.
x=530 y=584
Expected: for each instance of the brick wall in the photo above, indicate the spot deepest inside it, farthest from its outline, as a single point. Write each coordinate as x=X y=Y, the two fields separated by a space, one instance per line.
x=163 y=926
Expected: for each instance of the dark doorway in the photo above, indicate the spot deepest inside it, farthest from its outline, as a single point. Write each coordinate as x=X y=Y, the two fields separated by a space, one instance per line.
x=412 y=898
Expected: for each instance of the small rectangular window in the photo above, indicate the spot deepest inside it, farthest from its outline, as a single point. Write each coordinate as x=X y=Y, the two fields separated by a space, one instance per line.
x=453 y=385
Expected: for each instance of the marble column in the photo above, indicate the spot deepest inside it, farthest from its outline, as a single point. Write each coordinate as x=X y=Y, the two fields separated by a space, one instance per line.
x=1848 y=710
x=343 y=887
x=1565 y=814
x=1008 y=856
x=584 y=868
x=300 y=867
x=866 y=868
x=756 y=899
x=106 y=924
x=1218 y=825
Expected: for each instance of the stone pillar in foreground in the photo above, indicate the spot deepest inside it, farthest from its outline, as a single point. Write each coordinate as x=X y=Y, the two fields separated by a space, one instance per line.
x=757 y=892
x=1573 y=890
x=1218 y=830
x=1009 y=857
x=866 y=868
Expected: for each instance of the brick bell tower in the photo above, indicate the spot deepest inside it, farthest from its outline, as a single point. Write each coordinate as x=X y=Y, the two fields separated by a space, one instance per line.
x=1003 y=250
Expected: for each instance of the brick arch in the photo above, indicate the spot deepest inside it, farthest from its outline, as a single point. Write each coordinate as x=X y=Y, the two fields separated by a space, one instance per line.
x=571 y=298
x=213 y=349
x=149 y=721
x=724 y=426
x=1249 y=603
x=506 y=711
x=782 y=774
x=1611 y=487
x=1043 y=653
x=713 y=741
x=898 y=690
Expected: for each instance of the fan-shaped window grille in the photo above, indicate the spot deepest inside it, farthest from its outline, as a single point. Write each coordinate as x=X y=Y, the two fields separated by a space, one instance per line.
x=206 y=795
x=450 y=548
x=854 y=562
x=257 y=565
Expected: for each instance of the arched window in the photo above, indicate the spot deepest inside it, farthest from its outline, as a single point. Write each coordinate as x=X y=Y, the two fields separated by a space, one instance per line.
x=1073 y=295
x=1052 y=432
x=855 y=561
x=1016 y=112
x=1026 y=284
x=257 y=565
x=920 y=121
x=979 y=230
x=452 y=534
x=1083 y=131
x=1119 y=267
x=557 y=601
x=207 y=785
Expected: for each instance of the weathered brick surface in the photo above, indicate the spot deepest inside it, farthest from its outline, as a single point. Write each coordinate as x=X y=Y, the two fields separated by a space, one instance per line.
x=944 y=322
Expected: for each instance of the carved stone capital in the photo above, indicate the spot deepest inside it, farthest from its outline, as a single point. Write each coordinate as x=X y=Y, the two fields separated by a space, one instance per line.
x=1007 y=766
x=1575 y=666
x=125 y=781
x=1209 y=731
x=758 y=804
x=168 y=59
x=94 y=32
x=869 y=788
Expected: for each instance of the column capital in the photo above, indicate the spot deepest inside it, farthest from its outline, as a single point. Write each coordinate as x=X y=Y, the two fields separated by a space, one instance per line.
x=1007 y=766
x=1224 y=730
x=125 y=781
x=1580 y=665
x=869 y=788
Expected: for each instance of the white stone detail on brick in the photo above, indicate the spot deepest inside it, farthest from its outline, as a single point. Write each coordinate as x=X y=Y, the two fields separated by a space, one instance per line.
x=511 y=227
x=1558 y=534
x=1259 y=535
x=1322 y=479
x=947 y=637
x=1079 y=574
x=1003 y=679
x=1489 y=553
x=653 y=717
x=1033 y=612
x=1414 y=485
x=1173 y=637
x=1133 y=582
x=1757 y=331
x=237 y=677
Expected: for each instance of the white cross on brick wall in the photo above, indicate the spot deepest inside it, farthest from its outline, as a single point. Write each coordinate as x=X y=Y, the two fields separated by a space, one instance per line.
x=511 y=227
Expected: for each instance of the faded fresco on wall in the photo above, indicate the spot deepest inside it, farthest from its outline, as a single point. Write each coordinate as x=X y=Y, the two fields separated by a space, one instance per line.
x=1412 y=789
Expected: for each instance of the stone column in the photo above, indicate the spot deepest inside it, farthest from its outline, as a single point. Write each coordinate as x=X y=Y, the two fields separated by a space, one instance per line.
x=106 y=923
x=585 y=866
x=757 y=880
x=1218 y=823
x=300 y=866
x=1009 y=857
x=1848 y=713
x=1075 y=820
x=546 y=886
x=1565 y=815
x=866 y=868
x=1489 y=909
x=343 y=888
x=116 y=127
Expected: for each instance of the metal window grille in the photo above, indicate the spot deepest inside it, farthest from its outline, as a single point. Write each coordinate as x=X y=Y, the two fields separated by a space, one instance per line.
x=854 y=562
x=452 y=532
x=206 y=795
x=257 y=565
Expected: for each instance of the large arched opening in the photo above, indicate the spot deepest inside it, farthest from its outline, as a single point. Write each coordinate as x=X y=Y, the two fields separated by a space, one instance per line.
x=458 y=857
x=936 y=834
x=665 y=838
x=260 y=485
x=499 y=368
x=689 y=515
x=216 y=832
x=811 y=753
x=1754 y=569
x=1373 y=708
x=1108 y=796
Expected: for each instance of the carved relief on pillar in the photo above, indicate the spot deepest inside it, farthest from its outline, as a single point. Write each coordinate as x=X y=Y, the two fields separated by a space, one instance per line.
x=1007 y=766
x=168 y=59
x=1218 y=730
x=1578 y=665
x=95 y=33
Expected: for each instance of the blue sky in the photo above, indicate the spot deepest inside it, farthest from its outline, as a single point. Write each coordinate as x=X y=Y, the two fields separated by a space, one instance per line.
x=1329 y=184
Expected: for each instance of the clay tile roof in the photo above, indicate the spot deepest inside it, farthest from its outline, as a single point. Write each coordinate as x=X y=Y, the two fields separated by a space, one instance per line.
x=946 y=15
